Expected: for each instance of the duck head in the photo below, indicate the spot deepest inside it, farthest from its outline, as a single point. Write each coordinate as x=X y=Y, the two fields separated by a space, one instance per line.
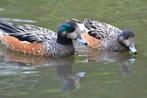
x=69 y=31
x=127 y=39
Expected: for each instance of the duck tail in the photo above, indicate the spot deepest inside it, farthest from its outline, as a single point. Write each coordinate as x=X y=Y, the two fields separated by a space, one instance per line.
x=6 y=27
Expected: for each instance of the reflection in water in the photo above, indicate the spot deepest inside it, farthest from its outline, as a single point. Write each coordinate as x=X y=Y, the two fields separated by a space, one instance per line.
x=22 y=75
x=126 y=65
x=124 y=59
x=1 y=9
x=14 y=63
x=70 y=80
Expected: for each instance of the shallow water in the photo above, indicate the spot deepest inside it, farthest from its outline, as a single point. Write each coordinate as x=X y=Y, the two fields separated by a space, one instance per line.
x=87 y=74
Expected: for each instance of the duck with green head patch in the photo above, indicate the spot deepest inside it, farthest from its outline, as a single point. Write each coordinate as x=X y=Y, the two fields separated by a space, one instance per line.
x=36 y=40
x=105 y=36
x=73 y=32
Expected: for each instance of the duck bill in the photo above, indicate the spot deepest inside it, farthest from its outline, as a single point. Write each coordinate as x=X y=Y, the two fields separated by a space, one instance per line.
x=81 y=41
x=132 y=49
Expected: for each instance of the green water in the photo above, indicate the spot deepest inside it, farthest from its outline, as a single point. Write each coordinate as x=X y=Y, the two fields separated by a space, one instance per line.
x=88 y=74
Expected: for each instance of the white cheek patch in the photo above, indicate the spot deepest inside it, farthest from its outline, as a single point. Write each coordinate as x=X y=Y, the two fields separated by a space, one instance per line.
x=72 y=35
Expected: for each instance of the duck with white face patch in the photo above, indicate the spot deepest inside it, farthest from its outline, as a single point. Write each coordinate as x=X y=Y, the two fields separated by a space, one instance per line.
x=69 y=29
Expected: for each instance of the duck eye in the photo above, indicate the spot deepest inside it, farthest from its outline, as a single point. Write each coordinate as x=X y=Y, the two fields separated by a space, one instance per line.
x=126 y=36
x=70 y=30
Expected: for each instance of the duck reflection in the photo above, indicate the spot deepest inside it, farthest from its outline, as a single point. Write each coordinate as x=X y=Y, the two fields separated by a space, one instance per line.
x=70 y=80
x=62 y=65
x=93 y=55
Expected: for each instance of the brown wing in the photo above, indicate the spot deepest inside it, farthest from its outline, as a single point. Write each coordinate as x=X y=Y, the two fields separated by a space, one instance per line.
x=92 y=42
x=23 y=46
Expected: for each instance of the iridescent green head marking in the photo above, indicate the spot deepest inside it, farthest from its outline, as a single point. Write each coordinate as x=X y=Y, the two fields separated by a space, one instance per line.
x=67 y=27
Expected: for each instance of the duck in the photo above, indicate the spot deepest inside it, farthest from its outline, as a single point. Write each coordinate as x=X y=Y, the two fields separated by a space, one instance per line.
x=35 y=40
x=106 y=37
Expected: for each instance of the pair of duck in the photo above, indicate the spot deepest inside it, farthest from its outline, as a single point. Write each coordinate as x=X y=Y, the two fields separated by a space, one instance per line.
x=41 y=41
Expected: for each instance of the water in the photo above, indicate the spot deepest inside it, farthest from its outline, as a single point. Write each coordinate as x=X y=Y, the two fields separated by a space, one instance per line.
x=88 y=74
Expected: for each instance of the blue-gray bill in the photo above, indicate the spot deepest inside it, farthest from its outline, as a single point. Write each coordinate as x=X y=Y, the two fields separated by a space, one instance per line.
x=132 y=49
x=81 y=41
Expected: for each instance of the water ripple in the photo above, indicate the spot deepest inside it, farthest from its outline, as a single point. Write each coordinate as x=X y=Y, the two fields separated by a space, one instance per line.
x=19 y=20
x=16 y=70
x=2 y=9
